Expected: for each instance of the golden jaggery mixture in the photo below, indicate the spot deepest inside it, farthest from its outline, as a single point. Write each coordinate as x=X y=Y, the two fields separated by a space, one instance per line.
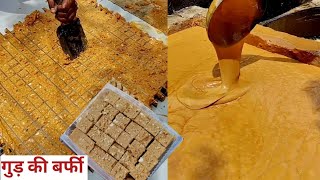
x=42 y=92
x=272 y=132
x=120 y=137
x=154 y=12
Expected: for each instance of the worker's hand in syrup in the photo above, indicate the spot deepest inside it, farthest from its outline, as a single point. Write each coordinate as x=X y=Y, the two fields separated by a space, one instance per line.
x=65 y=11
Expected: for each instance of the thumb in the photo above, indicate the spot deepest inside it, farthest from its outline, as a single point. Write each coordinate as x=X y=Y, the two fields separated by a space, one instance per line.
x=52 y=6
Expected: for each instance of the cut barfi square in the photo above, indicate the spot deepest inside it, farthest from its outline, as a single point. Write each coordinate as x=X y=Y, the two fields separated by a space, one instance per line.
x=84 y=125
x=111 y=97
x=101 y=139
x=110 y=112
x=133 y=129
x=103 y=123
x=124 y=139
x=121 y=121
x=113 y=130
x=116 y=151
x=119 y=171
x=140 y=172
x=132 y=111
x=156 y=148
x=104 y=160
x=149 y=161
x=153 y=127
x=164 y=138
x=144 y=137
x=121 y=105
x=142 y=120
x=93 y=114
x=136 y=149
x=128 y=161
x=82 y=140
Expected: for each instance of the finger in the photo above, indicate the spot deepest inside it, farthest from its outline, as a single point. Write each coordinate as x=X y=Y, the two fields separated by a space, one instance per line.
x=63 y=20
x=65 y=6
x=52 y=6
x=72 y=16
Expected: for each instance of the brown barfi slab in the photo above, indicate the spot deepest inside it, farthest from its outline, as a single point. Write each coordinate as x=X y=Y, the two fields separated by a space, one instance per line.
x=104 y=160
x=156 y=148
x=113 y=130
x=110 y=112
x=142 y=119
x=128 y=160
x=102 y=139
x=164 y=138
x=111 y=97
x=84 y=125
x=103 y=123
x=133 y=129
x=116 y=151
x=121 y=120
x=149 y=160
x=153 y=127
x=82 y=140
x=140 y=172
x=136 y=149
x=124 y=139
x=132 y=111
x=93 y=114
x=121 y=105
x=144 y=137
x=119 y=171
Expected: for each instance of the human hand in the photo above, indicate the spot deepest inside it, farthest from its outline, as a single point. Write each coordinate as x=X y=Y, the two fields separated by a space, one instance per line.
x=65 y=11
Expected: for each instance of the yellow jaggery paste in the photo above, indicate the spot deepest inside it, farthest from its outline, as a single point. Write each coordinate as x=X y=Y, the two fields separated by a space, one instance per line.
x=228 y=23
x=271 y=132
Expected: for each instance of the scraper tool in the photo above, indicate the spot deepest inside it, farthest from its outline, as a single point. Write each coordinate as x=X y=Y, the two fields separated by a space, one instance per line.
x=72 y=37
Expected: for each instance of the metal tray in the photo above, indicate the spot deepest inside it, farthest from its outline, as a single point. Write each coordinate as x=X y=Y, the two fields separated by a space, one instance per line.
x=95 y=167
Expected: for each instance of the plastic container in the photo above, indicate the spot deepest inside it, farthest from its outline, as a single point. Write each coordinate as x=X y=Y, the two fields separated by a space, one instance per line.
x=94 y=166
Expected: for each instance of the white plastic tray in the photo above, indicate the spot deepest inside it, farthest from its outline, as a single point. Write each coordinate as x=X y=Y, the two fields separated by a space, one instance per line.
x=95 y=167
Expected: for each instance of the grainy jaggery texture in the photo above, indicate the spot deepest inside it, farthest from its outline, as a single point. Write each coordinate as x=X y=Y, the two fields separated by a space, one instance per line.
x=152 y=11
x=42 y=92
x=123 y=147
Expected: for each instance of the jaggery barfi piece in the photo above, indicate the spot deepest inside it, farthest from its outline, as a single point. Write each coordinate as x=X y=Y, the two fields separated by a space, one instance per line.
x=144 y=137
x=140 y=172
x=132 y=111
x=101 y=139
x=121 y=121
x=104 y=160
x=128 y=160
x=93 y=114
x=116 y=151
x=136 y=149
x=133 y=129
x=119 y=172
x=156 y=148
x=110 y=112
x=84 y=125
x=153 y=127
x=82 y=140
x=121 y=105
x=124 y=139
x=103 y=123
x=149 y=160
x=111 y=97
x=142 y=120
x=164 y=138
x=113 y=130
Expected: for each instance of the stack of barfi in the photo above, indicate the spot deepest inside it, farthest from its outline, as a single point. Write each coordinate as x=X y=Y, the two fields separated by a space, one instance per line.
x=122 y=139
